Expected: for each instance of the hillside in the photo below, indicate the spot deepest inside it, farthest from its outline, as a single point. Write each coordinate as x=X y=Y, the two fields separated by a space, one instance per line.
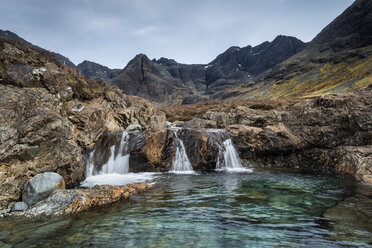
x=338 y=59
x=10 y=35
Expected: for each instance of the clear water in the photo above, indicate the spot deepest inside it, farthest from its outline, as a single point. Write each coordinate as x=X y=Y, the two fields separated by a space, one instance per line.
x=222 y=209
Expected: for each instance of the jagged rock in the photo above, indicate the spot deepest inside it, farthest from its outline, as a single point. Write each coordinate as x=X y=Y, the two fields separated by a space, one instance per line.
x=133 y=127
x=94 y=70
x=73 y=201
x=41 y=186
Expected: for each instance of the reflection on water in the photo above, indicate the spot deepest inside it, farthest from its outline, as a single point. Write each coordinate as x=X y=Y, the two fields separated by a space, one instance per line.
x=260 y=209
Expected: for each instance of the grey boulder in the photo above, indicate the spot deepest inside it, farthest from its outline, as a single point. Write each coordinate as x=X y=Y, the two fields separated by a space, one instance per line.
x=41 y=186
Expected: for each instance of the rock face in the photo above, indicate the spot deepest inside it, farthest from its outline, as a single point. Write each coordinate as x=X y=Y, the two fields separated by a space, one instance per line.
x=74 y=201
x=41 y=186
x=154 y=150
x=169 y=82
x=330 y=133
x=50 y=114
x=94 y=70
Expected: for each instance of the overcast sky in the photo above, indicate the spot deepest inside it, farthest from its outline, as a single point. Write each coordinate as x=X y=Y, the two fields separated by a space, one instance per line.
x=111 y=32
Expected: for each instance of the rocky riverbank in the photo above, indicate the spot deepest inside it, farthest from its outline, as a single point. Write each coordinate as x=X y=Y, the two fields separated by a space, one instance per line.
x=50 y=115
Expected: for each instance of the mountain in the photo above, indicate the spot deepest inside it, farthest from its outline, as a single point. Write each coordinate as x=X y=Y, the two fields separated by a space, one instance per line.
x=338 y=59
x=148 y=79
x=167 y=81
x=10 y=35
x=95 y=70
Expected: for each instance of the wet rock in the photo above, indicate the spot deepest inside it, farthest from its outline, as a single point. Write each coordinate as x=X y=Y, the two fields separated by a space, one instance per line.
x=20 y=206
x=133 y=127
x=330 y=134
x=74 y=201
x=41 y=186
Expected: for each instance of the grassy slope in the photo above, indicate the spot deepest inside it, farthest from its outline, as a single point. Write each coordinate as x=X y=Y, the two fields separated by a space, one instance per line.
x=352 y=71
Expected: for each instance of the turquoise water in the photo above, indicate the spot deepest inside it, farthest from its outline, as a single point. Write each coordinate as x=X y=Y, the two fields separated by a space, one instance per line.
x=260 y=209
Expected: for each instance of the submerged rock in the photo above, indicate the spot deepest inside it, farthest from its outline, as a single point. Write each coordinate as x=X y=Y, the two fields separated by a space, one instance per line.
x=41 y=186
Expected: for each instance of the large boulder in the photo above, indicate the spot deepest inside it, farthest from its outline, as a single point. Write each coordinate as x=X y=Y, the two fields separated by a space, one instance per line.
x=41 y=186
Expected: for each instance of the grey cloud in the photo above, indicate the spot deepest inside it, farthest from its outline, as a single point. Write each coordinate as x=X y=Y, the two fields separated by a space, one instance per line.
x=111 y=32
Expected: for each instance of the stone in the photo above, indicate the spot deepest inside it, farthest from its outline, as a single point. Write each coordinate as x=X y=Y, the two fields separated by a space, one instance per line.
x=133 y=128
x=20 y=206
x=41 y=186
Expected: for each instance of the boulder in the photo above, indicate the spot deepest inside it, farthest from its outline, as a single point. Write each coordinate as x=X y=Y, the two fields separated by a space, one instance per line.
x=41 y=186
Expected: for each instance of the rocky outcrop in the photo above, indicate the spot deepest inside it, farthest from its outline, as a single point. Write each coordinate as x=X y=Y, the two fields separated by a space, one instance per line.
x=94 y=70
x=154 y=150
x=10 y=35
x=330 y=133
x=72 y=201
x=50 y=114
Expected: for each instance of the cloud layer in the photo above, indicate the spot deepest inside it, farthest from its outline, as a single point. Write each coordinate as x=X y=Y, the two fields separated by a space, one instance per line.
x=112 y=32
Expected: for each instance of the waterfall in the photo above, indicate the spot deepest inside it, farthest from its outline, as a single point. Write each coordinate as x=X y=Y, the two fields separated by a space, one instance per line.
x=117 y=163
x=229 y=156
x=181 y=162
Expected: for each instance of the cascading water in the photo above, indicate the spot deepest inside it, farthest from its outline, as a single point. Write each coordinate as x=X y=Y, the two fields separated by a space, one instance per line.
x=181 y=162
x=230 y=157
x=117 y=163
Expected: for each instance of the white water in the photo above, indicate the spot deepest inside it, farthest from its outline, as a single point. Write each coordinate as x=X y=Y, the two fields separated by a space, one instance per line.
x=231 y=160
x=116 y=170
x=181 y=163
x=117 y=163
x=118 y=179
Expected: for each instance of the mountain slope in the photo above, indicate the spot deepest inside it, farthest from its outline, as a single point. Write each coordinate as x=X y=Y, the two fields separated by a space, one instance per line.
x=169 y=82
x=10 y=35
x=338 y=59
x=94 y=70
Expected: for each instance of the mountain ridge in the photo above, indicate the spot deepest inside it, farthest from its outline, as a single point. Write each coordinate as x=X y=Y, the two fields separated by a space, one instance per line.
x=189 y=83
